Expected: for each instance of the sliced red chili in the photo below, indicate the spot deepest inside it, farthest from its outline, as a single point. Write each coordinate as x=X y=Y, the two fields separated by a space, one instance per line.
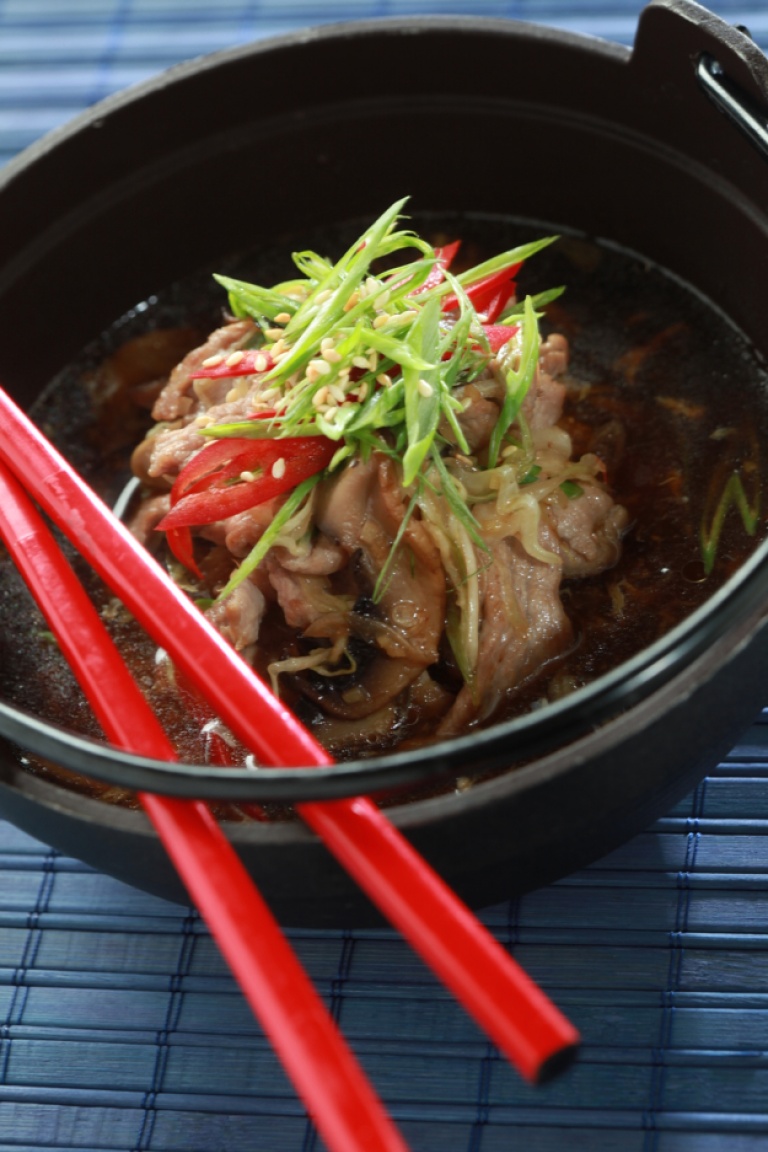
x=253 y=361
x=445 y=257
x=488 y=292
x=498 y=335
x=182 y=546
x=202 y=496
x=494 y=307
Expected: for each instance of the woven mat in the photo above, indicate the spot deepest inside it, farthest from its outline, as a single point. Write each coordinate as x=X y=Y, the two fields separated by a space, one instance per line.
x=120 y=1027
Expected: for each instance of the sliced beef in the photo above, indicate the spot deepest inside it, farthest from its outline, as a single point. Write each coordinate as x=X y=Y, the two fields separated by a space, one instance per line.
x=323 y=558
x=239 y=533
x=167 y=450
x=543 y=404
x=554 y=355
x=524 y=627
x=478 y=419
x=175 y=400
x=363 y=511
x=238 y=617
x=148 y=515
x=305 y=599
x=589 y=528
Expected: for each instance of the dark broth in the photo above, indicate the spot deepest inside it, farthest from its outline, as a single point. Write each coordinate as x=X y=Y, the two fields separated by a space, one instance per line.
x=663 y=389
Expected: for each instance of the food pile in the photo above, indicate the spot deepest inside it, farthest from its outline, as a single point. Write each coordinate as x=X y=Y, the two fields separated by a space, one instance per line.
x=362 y=477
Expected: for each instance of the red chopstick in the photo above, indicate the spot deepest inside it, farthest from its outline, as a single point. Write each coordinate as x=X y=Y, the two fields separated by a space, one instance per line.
x=333 y=1086
x=523 y=1023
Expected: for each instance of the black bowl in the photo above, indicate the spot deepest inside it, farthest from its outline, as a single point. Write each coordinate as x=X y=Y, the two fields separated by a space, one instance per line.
x=658 y=151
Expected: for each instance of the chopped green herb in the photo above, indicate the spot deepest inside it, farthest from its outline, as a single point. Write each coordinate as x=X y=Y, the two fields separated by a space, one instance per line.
x=733 y=496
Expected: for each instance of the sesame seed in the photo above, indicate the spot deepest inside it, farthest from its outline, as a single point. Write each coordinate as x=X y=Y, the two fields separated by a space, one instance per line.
x=372 y=362
x=273 y=333
x=425 y=388
x=381 y=320
x=331 y=354
x=360 y=362
x=320 y=396
x=362 y=391
x=353 y=300
x=279 y=349
x=337 y=393
x=213 y=361
x=322 y=367
x=234 y=358
x=381 y=301
x=232 y=395
x=260 y=363
x=248 y=477
x=282 y=318
x=278 y=468
x=384 y=379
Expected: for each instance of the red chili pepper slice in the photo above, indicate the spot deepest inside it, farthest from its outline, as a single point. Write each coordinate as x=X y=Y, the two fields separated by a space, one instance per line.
x=489 y=295
x=496 y=305
x=498 y=335
x=209 y=488
x=445 y=257
x=254 y=361
x=181 y=544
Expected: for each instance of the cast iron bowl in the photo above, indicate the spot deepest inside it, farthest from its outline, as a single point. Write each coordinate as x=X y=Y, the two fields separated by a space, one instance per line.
x=660 y=150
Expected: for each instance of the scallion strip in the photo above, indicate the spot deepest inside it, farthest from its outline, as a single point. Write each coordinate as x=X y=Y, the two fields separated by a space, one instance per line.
x=265 y=542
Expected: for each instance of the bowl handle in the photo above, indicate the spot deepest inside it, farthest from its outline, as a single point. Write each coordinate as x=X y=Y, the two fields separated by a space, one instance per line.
x=681 y=49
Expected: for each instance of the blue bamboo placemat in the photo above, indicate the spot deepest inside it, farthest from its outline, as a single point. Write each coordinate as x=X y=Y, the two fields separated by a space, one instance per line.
x=120 y=1027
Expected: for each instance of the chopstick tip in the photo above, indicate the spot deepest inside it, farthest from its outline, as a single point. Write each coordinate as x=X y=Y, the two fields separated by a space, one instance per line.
x=556 y=1063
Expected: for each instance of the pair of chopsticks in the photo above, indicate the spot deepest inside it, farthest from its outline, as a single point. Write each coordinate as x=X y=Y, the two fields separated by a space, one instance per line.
x=514 y=1013
x=346 y=1109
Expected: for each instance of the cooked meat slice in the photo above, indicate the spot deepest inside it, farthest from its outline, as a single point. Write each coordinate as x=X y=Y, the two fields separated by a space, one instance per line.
x=478 y=419
x=524 y=627
x=239 y=533
x=239 y=616
x=589 y=528
x=554 y=354
x=363 y=510
x=305 y=599
x=543 y=405
x=174 y=400
x=343 y=503
x=141 y=459
x=323 y=558
x=172 y=447
x=413 y=596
